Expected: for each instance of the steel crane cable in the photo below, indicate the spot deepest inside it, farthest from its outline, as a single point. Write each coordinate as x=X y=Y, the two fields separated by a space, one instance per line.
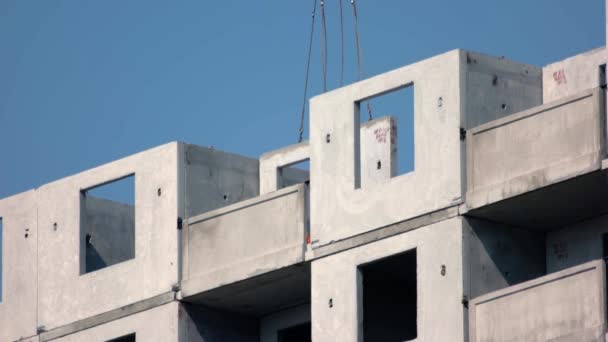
x=361 y=72
x=324 y=46
x=312 y=30
x=341 y=44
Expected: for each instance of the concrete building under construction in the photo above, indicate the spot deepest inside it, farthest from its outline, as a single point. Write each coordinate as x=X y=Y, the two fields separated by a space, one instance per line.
x=497 y=233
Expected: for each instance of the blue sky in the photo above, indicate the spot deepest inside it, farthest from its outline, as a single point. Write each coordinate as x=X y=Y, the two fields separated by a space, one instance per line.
x=86 y=82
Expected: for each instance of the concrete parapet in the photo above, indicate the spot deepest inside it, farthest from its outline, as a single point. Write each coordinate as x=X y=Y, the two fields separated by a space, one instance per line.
x=245 y=240
x=569 y=305
x=535 y=148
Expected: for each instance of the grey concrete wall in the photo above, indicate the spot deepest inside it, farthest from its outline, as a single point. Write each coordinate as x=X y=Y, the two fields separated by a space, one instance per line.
x=566 y=306
x=215 y=179
x=447 y=90
x=270 y=325
x=19 y=266
x=111 y=227
x=271 y=163
x=159 y=324
x=497 y=256
x=378 y=151
x=246 y=239
x=534 y=148
x=573 y=75
x=201 y=324
x=576 y=244
x=338 y=208
x=336 y=278
x=64 y=295
x=496 y=87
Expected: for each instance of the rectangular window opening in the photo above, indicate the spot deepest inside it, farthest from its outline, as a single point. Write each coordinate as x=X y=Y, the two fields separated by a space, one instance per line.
x=386 y=143
x=126 y=338
x=107 y=224
x=298 y=333
x=295 y=173
x=389 y=298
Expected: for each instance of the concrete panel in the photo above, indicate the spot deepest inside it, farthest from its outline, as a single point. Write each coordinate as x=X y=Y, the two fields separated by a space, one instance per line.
x=573 y=75
x=378 y=151
x=497 y=256
x=257 y=296
x=272 y=162
x=336 y=278
x=111 y=229
x=215 y=179
x=339 y=209
x=498 y=87
x=159 y=324
x=246 y=239
x=65 y=296
x=565 y=306
x=534 y=148
x=576 y=244
x=19 y=266
x=202 y=324
x=270 y=325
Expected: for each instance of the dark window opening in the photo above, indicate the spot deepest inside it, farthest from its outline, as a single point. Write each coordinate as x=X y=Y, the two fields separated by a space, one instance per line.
x=389 y=298
x=295 y=173
x=107 y=224
x=385 y=148
x=298 y=333
x=126 y=338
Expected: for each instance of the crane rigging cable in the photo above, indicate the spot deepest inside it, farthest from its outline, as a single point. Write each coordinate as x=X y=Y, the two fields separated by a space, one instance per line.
x=324 y=46
x=341 y=44
x=359 y=58
x=312 y=31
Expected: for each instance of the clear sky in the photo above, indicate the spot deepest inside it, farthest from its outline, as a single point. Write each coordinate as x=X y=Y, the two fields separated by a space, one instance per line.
x=85 y=82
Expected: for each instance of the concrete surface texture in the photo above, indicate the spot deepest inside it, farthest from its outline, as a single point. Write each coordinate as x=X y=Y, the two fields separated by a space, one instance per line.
x=535 y=148
x=565 y=306
x=574 y=75
x=577 y=244
x=246 y=239
x=19 y=266
x=158 y=324
x=108 y=228
x=64 y=294
x=340 y=208
x=336 y=285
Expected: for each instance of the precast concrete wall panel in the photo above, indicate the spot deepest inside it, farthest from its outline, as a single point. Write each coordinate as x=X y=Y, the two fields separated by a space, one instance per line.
x=19 y=266
x=214 y=179
x=573 y=75
x=576 y=244
x=66 y=295
x=565 y=306
x=336 y=303
x=159 y=324
x=535 y=148
x=245 y=239
x=340 y=207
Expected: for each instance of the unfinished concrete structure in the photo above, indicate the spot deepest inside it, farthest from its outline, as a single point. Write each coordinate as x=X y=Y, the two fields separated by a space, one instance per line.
x=498 y=233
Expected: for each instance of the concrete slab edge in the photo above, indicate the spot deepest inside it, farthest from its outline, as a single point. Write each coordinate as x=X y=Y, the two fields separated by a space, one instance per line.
x=109 y=316
x=384 y=232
